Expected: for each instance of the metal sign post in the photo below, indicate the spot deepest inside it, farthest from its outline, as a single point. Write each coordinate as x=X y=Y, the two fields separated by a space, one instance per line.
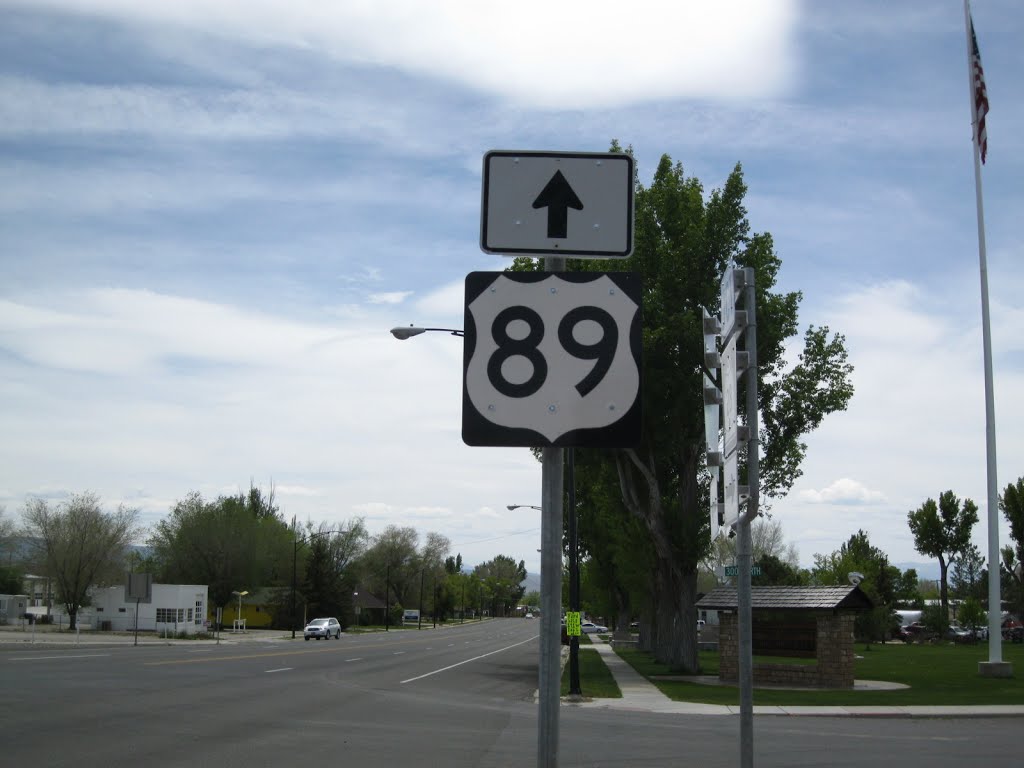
x=553 y=360
x=549 y=683
x=739 y=507
x=744 y=544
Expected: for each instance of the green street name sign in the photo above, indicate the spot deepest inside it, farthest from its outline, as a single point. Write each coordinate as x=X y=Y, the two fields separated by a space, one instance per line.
x=733 y=570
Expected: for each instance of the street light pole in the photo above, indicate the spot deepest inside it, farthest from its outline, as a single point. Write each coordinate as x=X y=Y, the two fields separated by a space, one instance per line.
x=574 y=570
x=574 y=574
x=295 y=556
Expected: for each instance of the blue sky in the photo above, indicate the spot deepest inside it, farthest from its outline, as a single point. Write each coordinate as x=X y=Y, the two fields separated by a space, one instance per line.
x=212 y=212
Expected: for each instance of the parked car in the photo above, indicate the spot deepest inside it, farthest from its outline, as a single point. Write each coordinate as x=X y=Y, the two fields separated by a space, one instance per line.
x=590 y=628
x=1012 y=630
x=322 y=628
x=980 y=633
x=958 y=634
x=918 y=633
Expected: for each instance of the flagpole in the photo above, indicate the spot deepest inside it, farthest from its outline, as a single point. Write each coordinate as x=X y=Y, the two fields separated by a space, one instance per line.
x=995 y=667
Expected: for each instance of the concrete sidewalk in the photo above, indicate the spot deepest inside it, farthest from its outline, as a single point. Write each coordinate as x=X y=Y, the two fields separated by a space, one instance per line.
x=640 y=695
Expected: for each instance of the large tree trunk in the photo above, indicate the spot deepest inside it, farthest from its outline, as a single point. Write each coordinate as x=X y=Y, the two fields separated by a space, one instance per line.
x=676 y=618
x=673 y=636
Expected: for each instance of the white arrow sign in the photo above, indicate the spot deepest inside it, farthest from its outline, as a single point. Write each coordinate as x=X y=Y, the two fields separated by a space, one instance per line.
x=560 y=203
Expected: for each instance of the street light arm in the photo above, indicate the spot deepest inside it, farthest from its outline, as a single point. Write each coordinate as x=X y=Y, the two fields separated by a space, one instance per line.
x=523 y=506
x=403 y=332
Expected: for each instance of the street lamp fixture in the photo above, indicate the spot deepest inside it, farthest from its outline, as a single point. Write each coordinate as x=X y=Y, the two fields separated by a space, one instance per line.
x=511 y=507
x=403 y=332
x=241 y=594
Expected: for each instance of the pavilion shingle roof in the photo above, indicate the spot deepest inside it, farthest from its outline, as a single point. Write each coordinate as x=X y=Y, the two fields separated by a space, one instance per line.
x=790 y=599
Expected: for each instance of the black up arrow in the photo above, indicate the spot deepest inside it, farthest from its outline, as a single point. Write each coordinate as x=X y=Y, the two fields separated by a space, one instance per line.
x=558 y=197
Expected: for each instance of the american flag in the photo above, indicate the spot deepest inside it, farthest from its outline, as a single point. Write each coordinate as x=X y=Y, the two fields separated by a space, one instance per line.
x=980 y=95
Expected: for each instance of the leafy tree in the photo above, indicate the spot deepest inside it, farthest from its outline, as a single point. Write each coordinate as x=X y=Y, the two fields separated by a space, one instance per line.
x=389 y=565
x=936 y=622
x=780 y=573
x=968 y=576
x=943 y=531
x=330 y=579
x=858 y=555
x=614 y=550
x=503 y=581
x=906 y=590
x=683 y=243
x=768 y=541
x=972 y=616
x=230 y=544
x=11 y=580
x=1012 y=505
x=395 y=567
x=7 y=536
x=532 y=599
x=79 y=545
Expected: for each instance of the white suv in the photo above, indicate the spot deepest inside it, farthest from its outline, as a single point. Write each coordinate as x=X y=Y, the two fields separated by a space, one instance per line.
x=322 y=628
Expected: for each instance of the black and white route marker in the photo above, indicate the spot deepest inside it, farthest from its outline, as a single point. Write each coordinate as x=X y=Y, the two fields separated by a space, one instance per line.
x=552 y=358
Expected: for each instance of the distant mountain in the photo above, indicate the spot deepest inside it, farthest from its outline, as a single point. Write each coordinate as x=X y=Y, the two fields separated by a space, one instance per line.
x=532 y=582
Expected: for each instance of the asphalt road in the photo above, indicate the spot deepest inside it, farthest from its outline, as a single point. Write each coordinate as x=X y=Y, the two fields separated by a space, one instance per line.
x=459 y=697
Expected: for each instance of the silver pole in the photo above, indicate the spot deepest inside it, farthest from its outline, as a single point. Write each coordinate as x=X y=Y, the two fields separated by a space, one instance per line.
x=551 y=607
x=744 y=542
x=549 y=682
x=995 y=640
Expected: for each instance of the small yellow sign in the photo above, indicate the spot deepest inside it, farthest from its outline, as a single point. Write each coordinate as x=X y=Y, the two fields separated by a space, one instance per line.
x=572 y=623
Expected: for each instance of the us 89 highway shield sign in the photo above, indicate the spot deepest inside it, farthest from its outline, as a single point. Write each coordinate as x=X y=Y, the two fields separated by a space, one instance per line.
x=552 y=359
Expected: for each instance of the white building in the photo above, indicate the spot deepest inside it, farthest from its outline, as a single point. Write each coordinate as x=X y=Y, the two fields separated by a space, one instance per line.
x=173 y=607
x=12 y=608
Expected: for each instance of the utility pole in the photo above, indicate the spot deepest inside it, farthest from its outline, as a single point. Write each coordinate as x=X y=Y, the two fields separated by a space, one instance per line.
x=574 y=574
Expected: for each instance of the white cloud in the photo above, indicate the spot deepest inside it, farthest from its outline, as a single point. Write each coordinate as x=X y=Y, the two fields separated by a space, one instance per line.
x=296 y=490
x=392 y=297
x=568 y=54
x=843 y=491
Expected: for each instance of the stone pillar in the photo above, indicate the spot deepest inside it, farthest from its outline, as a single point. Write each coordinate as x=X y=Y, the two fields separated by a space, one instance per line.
x=835 y=650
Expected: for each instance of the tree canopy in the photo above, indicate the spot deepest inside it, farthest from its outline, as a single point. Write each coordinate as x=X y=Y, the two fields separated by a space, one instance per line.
x=502 y=579
x=880 y=579
x=943 y=531
x=1012 y=504
x=79 y=545
x=684 y=240
x=230 y=544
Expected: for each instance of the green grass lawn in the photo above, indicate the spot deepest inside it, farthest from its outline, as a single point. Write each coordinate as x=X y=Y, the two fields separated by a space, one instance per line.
x=596 y=679
x=936 y=674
